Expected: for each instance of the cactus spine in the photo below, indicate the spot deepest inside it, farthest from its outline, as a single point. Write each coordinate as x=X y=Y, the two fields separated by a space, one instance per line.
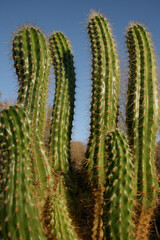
x=105 y=86
x=142 y=117
x=19 y=217
x=63 y=108
x=32 y=63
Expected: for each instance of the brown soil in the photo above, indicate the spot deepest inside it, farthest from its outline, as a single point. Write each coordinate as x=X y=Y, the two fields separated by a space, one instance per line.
x=77 y=152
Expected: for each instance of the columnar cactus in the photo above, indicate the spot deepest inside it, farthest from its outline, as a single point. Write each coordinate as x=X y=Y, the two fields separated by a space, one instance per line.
x=114 y=185
x=19 y=216
x=104 y=109
x=60 y=223
x=142 y=117
x=118 y=195
x=105 y=88
x=32 y=63
x=63 y=107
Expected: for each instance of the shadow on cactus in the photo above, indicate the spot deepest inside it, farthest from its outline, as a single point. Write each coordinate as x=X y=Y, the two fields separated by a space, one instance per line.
x=114 y=193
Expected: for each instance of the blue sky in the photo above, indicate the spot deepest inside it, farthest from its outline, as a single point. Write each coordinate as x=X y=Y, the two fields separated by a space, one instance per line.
x=70 y=17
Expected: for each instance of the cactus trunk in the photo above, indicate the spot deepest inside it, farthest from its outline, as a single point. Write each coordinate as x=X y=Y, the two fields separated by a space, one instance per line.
x=118 y=195
x=105 y=87
x=142 y=118
x=63 y=108
x=32 y=63
x=19 y=217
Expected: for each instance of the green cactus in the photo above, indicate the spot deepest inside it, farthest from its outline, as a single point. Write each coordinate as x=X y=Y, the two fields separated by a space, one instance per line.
x=118 y=195
x=46 y=212
x=19 y=217
x=60 y=223
x=32 y=63
x=63 y=108
x=105 y=88
x=142 y=118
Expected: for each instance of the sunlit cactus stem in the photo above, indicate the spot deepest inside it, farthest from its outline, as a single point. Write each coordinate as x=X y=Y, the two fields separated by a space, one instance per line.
x=105 y=88
x=119 y=189
x=63 y=108
x=19 y=217
x=142 y=118
x=32 y=63
x=60 y=223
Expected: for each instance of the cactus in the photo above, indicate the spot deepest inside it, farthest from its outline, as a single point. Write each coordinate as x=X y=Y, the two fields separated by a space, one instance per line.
x=32 y=63
x=116 y=192
x=105 y=86
x=104 y=110
x=60 y=223
x=118 y=195
x=63 y=108
x=142 y=119
x=19 y=217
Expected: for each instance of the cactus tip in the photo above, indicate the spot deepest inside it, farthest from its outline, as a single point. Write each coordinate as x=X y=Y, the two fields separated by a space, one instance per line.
x=94 y=13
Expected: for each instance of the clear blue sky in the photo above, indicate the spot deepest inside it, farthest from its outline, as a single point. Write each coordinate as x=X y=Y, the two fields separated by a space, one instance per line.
x=70 y=16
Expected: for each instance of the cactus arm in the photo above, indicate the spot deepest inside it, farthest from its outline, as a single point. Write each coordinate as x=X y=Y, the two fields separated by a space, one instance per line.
x=19 y=217
x=63 y=108
x=60 y=221
x=32 y=62
x=118 y=195
x=142 y=124
x=142 y=113
x=105 y=85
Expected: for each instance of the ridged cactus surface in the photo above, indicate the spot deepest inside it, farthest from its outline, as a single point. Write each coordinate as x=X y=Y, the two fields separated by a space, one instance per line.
x=63 y=108
x=105 y=88
x=61 y=226
x=32 y=63
x=19 y=216
x=118 y=194
x=142 y=112
x=142 y=118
